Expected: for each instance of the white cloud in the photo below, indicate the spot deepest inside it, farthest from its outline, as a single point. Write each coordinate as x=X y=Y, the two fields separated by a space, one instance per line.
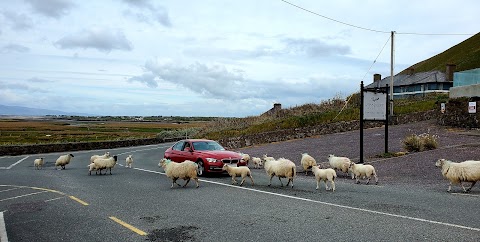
x=147 y=12
x=51 y=8
x=14 y=48
x=102 y=39
x=17 y=21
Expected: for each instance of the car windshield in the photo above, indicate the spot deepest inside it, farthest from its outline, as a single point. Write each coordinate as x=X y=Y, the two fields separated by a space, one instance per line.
x=207 y=145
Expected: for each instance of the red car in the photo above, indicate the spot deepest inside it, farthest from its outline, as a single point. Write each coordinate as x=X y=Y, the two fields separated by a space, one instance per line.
x=208 y=154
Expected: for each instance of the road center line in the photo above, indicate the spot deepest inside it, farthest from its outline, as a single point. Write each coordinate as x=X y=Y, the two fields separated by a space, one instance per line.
x=14 y=164
x=78 y=200
x=128 y=226
x=332 y=204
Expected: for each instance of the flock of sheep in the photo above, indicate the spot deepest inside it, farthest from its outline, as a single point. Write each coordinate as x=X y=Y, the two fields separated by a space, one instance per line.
x=456 y=173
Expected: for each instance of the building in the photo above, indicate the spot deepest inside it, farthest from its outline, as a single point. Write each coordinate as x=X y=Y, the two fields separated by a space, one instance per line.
x=466 y=84
x=417 y=84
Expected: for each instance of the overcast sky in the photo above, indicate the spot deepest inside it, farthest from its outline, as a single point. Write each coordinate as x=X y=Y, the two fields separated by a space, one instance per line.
x=211 y=57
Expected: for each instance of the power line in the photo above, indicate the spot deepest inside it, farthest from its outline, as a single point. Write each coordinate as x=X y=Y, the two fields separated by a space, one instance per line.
x=368 y=29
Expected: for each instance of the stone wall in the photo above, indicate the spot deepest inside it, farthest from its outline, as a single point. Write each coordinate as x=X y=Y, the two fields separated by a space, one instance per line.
x=322 y=129
x=50 y=148
x=456 y=113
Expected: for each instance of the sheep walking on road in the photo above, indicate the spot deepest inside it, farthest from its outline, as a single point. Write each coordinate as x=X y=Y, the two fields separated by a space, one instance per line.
x=245 y=158
x=185 y=170
x=129 y=161
x=102 y=163
x=282 y=168
x=257 y=162
x=93 y=157
x=38 y=163
x=307 y=162
x=361 y=171
x=325 y=175
x=456 y=173
x=241 y=171
x=63 y=160
x=339 y=163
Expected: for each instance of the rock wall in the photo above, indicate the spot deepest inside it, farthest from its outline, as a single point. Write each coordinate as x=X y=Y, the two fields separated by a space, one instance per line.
x=456 y=113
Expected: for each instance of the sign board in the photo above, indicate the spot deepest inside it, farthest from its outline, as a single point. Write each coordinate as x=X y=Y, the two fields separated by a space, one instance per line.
x=374 y=106
x=472 y=107
x=442 y=107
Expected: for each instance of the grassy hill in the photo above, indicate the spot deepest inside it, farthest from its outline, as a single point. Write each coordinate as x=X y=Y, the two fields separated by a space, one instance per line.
x=466 y=55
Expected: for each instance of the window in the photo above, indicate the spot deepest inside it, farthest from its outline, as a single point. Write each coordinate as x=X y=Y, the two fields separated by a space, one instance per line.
x=178 y=145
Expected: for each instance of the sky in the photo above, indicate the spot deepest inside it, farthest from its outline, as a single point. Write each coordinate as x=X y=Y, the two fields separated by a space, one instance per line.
x=215 y=58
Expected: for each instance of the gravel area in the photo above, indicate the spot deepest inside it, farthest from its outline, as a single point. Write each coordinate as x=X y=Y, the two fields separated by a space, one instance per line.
x=416 y=168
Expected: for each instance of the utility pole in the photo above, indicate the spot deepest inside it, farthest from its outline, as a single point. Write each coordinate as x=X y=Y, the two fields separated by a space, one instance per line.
x=392 y=54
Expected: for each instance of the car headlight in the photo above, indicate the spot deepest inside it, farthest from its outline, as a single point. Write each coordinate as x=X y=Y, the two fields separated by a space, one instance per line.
x=212 y=160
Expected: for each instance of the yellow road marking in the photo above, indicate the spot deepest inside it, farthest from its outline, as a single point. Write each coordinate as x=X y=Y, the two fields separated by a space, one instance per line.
x=128 y=226
x=78 y=200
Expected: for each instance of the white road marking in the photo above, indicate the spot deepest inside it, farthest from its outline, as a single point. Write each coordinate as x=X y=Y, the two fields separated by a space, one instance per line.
x=25 y=195
x=3 y=230
x=465 y=194
x=14 y=164
x=332 y=204
x=9 y=189
x=53 y=199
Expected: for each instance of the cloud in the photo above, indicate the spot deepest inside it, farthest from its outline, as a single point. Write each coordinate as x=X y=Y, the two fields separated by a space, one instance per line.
x=18 y=21
x=10 y=48
x=39 y=80
x=146 y=78
x=157 y=14
x=314 y=47
x=102 y=39
x=51 y=8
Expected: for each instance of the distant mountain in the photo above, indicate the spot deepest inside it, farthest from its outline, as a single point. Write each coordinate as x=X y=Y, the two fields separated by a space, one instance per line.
x=465 y=55
x=25 y=111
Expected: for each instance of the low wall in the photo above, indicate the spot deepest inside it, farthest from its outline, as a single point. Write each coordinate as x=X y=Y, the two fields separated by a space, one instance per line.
x=322 y=129
x=51 y=148
x=456 y=113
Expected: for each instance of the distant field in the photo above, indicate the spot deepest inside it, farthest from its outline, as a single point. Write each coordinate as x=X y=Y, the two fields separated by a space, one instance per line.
x=21 y=131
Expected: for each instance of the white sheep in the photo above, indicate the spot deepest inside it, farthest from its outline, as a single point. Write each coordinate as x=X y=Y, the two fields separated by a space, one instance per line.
x=339 y=163
x=102 y=163
x=185 y=170
x=360 y=171
x=93 y=157
x=129 y=161
x=456 y=173
x=265 y=158
x=325 y=175
x=257 y=162
x=241 y=171
x=38 y=163
x=307 y=162
x=245 y=158
x=281 y=168
x=63 y=160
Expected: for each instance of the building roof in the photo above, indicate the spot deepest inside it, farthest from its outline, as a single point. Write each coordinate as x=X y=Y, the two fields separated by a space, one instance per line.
x=407 y=80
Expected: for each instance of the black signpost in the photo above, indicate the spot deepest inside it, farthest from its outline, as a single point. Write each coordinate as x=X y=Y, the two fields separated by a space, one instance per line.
x=373 y=107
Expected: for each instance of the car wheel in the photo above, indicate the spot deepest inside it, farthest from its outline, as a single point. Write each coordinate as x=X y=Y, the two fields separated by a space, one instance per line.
x=201 y=168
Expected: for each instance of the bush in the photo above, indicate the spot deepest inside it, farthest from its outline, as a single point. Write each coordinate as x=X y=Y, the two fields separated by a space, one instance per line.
x=416 y=143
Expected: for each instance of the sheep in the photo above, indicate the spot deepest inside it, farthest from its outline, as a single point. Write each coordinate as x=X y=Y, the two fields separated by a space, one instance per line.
x=63 y=160
x=280 y=168
x=102 y=163
x=362 y=171
x=129 y=161
x=456 y=173
x=339 y=163
x=38 y=163
x=265 y=158
x=93 y=157
x=242 y=171
x=307 y=162
x=185 y=170
x=245 y=158
x=257 y=162
x=325 y=175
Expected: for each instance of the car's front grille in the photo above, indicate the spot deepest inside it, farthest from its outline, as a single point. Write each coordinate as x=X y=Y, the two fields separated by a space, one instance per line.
x=228 y=161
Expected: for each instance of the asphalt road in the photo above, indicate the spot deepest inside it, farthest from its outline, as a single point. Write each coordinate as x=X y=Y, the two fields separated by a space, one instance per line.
x=138 y=204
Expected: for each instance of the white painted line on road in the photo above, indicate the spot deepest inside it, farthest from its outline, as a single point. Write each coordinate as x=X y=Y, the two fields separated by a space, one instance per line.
x=3 y=229
x=25 y=195
x=332 y=204
x=14 y=164
x=53 y=199
x=465 y=194
x=9 y=189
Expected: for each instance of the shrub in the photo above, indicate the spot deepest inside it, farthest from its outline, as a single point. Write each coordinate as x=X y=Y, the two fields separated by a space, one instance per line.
x=415 y=143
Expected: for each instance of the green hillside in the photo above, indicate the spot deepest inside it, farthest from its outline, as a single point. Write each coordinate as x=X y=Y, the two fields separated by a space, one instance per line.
x=466 y=55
